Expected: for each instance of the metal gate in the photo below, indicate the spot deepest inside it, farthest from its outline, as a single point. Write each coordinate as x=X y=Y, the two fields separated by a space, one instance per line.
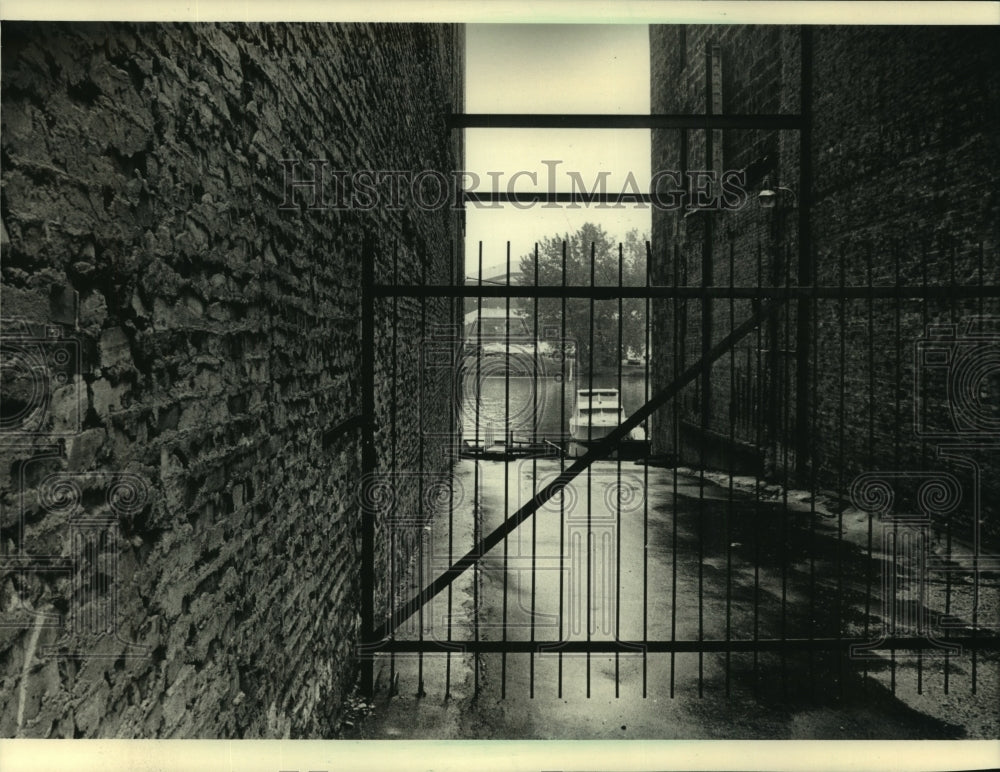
x=731 y=564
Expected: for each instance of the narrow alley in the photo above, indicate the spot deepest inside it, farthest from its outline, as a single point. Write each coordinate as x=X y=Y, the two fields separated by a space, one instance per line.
x=724 y=564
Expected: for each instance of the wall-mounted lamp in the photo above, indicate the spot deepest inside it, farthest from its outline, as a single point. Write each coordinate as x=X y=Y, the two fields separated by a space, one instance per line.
x=768 y=195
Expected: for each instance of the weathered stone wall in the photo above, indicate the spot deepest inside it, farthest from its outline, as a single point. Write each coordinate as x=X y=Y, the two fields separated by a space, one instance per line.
x=201 y=345
x=904 y=158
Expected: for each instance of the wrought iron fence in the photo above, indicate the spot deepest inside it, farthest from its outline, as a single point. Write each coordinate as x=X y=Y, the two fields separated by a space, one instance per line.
x=727 y=539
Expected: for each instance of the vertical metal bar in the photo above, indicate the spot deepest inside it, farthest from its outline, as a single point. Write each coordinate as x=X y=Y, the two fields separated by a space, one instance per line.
x=647 y=341
x=686 y=182
x=731 y=464
x=678 y=362
x=786 y=441
x=456 y=307
x=477 y=503
x=618 y=470
x=707 y=267
x=534 y=480
x=870 y=456
x=813 y=368
x=772 y=390
x=562 y=466
x=590 y=429
x=805 y=275
x=948 y=544
x=897 y=421
x=762 y=432
x=805 y=310
x=421 y=514
x=900 y=553
x=975 y=556
x=841 y=438
x=368 y=461
x=953 y=318
x=451 y=471
x=392 y=451
x=924 y=314
x=700 y=530
x=508 y=441
x=707 y=324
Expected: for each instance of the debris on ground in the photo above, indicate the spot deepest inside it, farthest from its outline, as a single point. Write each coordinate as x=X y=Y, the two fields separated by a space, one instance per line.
x=355 y=710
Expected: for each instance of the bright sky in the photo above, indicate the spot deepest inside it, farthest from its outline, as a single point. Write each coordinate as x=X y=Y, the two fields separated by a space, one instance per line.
x=553 y=68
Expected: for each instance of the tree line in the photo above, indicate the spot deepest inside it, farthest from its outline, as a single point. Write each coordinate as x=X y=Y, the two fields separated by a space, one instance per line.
x=586 y=257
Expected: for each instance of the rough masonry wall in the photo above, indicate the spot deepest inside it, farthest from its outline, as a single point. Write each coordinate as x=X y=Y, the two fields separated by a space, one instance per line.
x=904 y=159
x=906 y=162
x=201 y=344
x=698 y=249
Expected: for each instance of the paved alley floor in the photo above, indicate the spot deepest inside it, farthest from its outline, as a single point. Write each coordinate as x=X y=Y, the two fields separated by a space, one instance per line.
x=651 y=554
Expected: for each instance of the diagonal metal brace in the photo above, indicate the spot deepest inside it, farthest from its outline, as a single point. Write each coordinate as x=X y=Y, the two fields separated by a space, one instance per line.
x=597 y=452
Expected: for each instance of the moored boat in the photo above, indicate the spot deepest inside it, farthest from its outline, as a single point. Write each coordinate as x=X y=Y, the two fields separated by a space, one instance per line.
x=598 y=413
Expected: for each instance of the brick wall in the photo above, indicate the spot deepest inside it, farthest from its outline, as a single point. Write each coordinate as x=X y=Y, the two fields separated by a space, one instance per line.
x=904 y=160
x=200 y=345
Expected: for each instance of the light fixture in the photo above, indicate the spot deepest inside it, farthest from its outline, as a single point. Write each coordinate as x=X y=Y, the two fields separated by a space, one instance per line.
x=768 y=195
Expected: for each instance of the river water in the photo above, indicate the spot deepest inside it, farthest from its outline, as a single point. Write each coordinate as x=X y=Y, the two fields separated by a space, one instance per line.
x=534 y=409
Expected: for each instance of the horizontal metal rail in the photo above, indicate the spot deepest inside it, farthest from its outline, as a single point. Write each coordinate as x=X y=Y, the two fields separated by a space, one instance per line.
x=786 y=122
x=979 y=643
x=614 y=292
x=597 y=452
x=576 y=197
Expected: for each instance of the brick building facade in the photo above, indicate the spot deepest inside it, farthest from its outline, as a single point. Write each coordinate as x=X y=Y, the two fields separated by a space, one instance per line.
x=903 y=154
x=186 y=482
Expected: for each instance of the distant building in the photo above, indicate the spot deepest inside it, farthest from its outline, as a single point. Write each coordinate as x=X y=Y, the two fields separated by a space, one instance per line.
x=499 y=280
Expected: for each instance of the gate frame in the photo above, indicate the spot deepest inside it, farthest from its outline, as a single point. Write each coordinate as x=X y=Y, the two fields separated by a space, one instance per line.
x=375 y=636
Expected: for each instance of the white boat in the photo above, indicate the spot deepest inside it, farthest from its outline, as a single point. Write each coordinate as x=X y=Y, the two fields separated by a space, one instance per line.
x=598 y=413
